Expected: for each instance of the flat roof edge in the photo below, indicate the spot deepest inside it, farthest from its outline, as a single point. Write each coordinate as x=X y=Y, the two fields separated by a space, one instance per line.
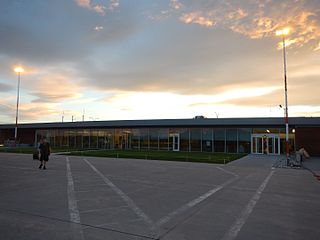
x=245 y=122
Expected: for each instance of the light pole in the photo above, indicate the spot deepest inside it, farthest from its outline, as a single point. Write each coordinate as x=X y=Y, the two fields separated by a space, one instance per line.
x=283 y=33
x=18 y=70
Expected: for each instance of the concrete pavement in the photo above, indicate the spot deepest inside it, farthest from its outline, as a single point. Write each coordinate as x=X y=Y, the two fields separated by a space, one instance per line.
x=100 y=198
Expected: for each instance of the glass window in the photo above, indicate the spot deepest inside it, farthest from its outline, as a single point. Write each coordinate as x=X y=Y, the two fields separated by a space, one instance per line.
x=109 y=140
x=86 y=138
x=244 y=136
x=207 y=142
x=184 y=140
x=58 y=138
x=117 y=139
x=232 y=135
x=61 y=138
x=135 y=139
x=123 y=138
x=65 y=138
x=219 y=140
x=195 y=139
x=72 y=139
x=93 y=139
x=126 y=138
x=79 y=139
x=154 y=138
x=163 y=139
x=265 y=130
x=101 y=139
x=144 y=140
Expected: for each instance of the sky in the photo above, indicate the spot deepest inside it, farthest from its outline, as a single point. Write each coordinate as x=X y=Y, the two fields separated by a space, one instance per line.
x=97 y=60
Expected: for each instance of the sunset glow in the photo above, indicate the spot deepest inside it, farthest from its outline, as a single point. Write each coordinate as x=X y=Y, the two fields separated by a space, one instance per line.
x=283 y=32
x=18 y=69
x=116 y=59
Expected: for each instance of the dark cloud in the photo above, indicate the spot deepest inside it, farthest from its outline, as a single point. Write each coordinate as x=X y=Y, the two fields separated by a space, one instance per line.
x=56 y=31
x=184 y=59
x=5 y=87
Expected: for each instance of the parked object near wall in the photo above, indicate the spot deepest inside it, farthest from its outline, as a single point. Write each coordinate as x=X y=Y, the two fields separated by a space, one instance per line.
x=303 y=153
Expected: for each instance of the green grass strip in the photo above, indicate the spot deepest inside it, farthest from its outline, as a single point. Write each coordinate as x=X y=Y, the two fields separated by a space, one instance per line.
x=162 y=155
x=204 y=157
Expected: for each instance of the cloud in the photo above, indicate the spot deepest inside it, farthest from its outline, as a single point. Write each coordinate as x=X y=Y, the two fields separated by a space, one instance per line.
x=184 y=60
x=83 y=3
x=317 y=48
x=5 y=87
x=28 y=112
x=239 y=94
x=169 y=8
x=48 y=33
x=36 y=112
x=260 y=19
x=114 y=4
x=54 y=88
x=89 y=49
x=37 y=33
x=176 y=4
x=98 y=8
x=197 y=18
x=98 y=28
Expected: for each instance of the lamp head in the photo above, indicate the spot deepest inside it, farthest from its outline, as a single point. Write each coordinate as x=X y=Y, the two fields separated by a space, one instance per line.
x=18 y=69
x=283 y=32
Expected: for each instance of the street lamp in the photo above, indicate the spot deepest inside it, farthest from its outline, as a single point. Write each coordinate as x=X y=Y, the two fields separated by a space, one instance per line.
x=283 y=33
x=18 y=70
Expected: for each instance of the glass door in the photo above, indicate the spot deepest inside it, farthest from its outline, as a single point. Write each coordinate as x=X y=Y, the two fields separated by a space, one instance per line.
x=126 y=140
x=175 y=141
x=256 y=144
x=274 y=144
x=265 y=144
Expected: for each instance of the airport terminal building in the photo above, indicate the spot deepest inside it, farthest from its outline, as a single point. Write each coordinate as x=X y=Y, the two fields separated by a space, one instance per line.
x=227 y=135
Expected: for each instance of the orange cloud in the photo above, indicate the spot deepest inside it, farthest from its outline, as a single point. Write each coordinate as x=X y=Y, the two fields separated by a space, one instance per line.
x=261 y=19
x=55 y=88
x=99 y=8
x=197 y=18
x=83 y=3
x=175 y=4
x=237 y=14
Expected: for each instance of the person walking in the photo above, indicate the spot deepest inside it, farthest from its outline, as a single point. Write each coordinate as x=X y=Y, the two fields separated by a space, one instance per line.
x=44 y=148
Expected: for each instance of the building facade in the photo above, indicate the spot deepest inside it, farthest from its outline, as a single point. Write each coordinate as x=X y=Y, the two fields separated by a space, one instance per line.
x=236 y=135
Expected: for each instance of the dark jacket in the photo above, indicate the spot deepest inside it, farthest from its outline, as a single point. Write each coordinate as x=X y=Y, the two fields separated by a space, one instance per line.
x=44 y=149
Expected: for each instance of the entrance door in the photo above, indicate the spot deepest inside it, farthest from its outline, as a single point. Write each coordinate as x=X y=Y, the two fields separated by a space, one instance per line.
x=265 y=144
x=124 y=140
x=175 y=141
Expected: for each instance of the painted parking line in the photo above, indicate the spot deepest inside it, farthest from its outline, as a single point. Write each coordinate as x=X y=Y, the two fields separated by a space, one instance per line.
x=72 y=204
x=194 y=202
x=138 y=211
x=241 y=220
x=227 y=171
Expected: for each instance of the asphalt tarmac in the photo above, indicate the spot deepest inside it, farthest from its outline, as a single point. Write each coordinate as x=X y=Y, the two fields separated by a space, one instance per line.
x=125 y=199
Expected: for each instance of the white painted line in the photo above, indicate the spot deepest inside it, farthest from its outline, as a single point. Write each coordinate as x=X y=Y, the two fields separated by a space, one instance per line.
x=236 y=227
x=72 y=203
x=193 y=203
x=103 y=209
x=138 y=211
x=226 y=171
